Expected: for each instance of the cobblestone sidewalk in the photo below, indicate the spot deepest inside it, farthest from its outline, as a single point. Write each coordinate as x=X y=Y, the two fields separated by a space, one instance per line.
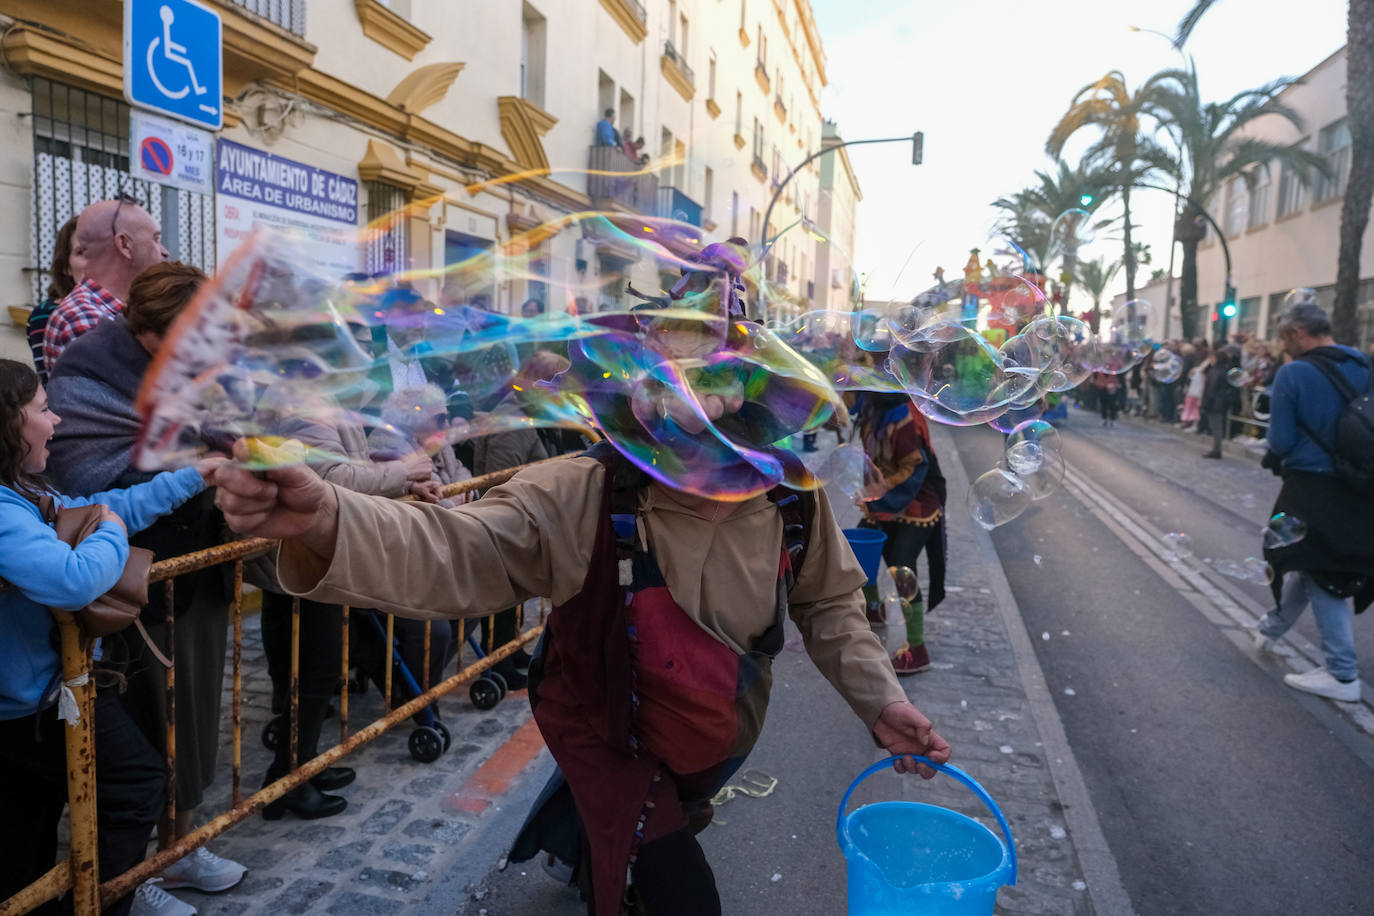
x=405 y=819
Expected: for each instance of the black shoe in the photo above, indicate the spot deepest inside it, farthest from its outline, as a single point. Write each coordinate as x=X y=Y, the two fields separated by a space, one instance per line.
x=333 y=778
x=305 y=801
x=1211 y=454
x=520 y=659
x=515 y=678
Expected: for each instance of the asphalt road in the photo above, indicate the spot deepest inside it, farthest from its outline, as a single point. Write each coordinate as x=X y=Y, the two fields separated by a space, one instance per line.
x=1219 y=789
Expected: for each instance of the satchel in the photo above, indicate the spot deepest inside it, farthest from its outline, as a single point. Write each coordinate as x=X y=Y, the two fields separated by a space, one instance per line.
x=120 y=606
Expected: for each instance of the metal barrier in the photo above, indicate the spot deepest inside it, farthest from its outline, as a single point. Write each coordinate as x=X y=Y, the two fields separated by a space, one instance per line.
x=80 y=872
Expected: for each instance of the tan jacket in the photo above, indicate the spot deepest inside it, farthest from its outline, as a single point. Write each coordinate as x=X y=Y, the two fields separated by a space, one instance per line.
x=533 y=536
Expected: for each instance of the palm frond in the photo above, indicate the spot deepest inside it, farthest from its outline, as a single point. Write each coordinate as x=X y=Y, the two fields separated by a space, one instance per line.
x=1190 y=21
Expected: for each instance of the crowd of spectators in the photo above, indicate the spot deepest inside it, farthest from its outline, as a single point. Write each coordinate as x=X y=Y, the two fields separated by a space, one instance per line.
x=68 y=432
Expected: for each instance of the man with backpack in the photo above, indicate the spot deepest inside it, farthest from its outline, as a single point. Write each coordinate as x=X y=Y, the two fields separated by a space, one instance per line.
x=1321 y=441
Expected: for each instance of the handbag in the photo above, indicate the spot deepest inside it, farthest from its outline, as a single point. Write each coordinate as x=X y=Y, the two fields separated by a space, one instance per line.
x=115 y=610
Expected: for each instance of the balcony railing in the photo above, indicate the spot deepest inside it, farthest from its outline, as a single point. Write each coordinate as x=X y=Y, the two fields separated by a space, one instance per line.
x=672 y=54
x=674 y=204
x=616 y=178
x=289 y=14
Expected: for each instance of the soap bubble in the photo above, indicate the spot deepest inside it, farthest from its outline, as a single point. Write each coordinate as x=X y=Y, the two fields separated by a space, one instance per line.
x=1047 y=477
x=997 y=497
x=904 y=579
x=1166 y=366
x=1237 y=376
x=1302 y=295
x=1179 y=544
x=1129 y=321
x=1284 y=530
x=871 y=330
x=958 y=378
x=1257 y=571
x=1070 y=233
x=1033 y=453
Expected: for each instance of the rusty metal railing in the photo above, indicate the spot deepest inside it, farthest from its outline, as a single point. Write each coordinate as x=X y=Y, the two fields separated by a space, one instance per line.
x=79 y=873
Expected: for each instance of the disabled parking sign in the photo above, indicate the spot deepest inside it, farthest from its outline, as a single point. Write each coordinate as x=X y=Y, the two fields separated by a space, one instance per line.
x=173 y=61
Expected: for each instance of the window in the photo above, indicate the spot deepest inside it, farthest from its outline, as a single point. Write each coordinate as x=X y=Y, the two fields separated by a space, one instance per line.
x=1235 y=206
x=763 y=48
x=1333 y=145
x=532 y=55
x=683 y=31
x=739 y=114
x=742 y=5
x=1290 y=192
x=385 y=252
x=1259 y=198
x=1247 y=315
x=710 y=75
x=734 y=213
x=754 y=225
x=758 y=140
x=707 y=192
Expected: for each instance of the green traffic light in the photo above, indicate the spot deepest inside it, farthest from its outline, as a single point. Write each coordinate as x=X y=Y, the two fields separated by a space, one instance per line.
x=1085 y=200
x=1228 y=310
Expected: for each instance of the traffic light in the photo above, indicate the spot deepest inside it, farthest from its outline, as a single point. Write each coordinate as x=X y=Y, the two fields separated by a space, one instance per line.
x=1228 y=305
x=918 y=147
x=1085 y=200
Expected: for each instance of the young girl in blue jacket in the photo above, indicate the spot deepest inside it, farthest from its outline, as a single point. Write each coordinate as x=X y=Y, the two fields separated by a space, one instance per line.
x=39 y=572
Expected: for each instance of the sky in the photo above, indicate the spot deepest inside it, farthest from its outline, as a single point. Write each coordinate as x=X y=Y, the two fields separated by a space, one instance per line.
x=987 y=80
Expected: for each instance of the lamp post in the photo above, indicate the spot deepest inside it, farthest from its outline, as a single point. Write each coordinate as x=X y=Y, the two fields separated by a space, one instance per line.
x=1229 y=290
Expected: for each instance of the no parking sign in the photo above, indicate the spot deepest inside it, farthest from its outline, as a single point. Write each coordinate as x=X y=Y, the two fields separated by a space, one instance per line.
x=171 y=153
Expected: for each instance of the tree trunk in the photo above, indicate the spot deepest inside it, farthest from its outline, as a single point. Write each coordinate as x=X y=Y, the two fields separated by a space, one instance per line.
x=1359 y=187
x=1190 y=229
x=1129 y=259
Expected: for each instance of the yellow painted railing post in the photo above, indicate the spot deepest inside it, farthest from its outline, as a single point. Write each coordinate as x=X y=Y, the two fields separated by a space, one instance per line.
x=80 y=737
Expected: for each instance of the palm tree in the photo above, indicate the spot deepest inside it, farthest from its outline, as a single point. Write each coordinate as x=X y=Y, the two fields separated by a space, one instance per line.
x=1211 y=151
x=1131 y=155
x=1029 y=215
x=1359 y=188
x=1093 y=278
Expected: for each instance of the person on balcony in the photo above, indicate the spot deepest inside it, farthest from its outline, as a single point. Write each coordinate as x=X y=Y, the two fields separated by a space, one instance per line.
x=650 y=682
x=606 y=134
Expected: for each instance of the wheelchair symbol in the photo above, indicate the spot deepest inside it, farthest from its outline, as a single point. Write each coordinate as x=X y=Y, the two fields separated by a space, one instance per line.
x=176 y=54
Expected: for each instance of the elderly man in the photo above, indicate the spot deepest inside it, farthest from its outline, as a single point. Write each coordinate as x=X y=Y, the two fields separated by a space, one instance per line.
x=1333 y=562
x=118 y=240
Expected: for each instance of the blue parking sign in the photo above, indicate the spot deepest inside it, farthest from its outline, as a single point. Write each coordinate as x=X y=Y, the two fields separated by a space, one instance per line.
x=173 y=59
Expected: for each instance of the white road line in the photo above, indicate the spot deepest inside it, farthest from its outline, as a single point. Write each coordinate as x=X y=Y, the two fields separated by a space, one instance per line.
x=1223 y=605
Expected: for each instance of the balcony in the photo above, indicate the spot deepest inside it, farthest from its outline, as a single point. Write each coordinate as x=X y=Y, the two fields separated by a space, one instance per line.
x=289 y=14
x=676 y=205
x=616 y=179
x=678 y=74
x=629 y=15
x=779 y=109
x=761 y=77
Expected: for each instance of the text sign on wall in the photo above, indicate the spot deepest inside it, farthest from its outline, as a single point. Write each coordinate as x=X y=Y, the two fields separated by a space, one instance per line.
x=260 y=190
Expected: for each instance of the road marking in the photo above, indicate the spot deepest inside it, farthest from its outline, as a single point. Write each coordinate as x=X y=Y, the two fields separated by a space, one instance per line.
x=498 y=771
x=1221 y=603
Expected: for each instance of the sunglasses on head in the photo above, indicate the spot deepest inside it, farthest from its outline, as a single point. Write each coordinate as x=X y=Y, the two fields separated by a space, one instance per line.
x=123 y=199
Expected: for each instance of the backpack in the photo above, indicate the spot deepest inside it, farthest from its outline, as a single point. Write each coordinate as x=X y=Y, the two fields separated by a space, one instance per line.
x=1352 y=453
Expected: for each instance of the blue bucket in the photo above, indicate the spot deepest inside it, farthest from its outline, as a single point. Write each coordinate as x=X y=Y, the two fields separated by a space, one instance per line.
x=867 y=544
x=911 y=858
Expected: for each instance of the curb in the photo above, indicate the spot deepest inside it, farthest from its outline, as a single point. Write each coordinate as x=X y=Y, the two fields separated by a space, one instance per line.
x=1229 y=448
x=1100 y=872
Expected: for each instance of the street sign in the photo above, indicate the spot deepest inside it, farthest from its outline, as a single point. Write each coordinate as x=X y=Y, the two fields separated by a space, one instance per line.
x=173 y=59
x=171 y=153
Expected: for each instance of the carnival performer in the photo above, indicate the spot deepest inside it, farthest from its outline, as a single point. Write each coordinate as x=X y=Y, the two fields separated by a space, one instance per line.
x=651 y=679
x=911 y=511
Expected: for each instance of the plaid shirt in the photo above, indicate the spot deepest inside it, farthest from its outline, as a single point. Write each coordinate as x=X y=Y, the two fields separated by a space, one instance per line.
x=85 y=307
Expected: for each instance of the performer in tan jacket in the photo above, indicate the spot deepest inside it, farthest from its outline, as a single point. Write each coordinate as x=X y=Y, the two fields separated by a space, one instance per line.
x=669 y=702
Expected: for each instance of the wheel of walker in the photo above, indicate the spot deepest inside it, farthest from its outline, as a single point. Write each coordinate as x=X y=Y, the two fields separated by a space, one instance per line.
x=499 y=681
x=484 y=693
x=443 y=733
x=271 y=732
x=426 y=744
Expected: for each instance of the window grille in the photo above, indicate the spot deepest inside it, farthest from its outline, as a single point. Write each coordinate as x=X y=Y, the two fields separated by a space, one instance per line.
x=385 y=251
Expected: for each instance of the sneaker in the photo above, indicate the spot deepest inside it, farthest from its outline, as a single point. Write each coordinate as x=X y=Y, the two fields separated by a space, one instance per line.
x=911 y=661
x=1320 y=682
x=151 y=900
x=1263 y=643
x=202 y=870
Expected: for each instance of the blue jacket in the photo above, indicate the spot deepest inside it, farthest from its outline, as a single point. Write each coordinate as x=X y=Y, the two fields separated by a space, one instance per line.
x=43 y=572
x=1302 y=393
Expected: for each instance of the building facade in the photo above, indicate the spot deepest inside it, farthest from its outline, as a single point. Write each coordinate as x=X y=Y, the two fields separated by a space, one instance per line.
x=836 y=284
x=1282 y=235
x=453 y=136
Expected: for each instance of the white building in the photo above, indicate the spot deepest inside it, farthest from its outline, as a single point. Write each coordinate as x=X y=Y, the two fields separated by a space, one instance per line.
x=481 y=123
x=1280 y=234
x=840 y=196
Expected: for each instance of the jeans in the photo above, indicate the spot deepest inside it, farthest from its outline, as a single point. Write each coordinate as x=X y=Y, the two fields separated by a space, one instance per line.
x=33 y=792
x=1216 y=422
x=1335 y=621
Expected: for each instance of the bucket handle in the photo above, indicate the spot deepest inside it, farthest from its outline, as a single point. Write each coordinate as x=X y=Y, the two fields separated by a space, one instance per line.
x=842 y=832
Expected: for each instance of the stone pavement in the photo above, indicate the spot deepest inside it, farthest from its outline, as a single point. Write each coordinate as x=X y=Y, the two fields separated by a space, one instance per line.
x=406 y=821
